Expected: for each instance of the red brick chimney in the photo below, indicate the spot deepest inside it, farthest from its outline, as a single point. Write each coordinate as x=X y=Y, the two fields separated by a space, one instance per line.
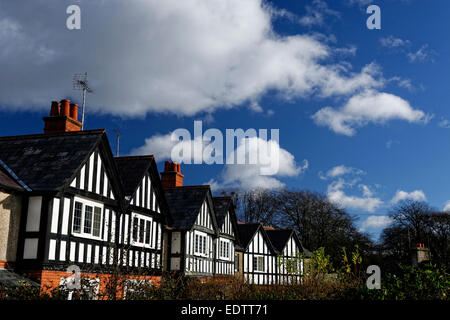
x=63 y=118
x=171 y=177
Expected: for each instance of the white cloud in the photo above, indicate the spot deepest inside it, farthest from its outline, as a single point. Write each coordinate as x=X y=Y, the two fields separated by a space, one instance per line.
x=365 y=107
x=340 y=171
x=446 y=206
x=421 y=55
x=316 y=13
x=161 y=147
x=182 y=57
x=337 y=195
x=444 y=123
x=392 y=42
x=417 y=195
x=269 y=156
x=403 y=83
x=389 y=143
x=248 y=176
x=376 y=222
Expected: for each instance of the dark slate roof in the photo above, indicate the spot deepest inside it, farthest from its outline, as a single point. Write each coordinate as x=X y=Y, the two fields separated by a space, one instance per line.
x=131 y=170
x=9 y=183
x=47 y=161
x=246 y=232
x=184 y=204
x=279 y=237
x=221 y=206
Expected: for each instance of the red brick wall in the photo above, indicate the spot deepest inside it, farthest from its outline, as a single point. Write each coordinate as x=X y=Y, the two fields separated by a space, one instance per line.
x=50 y=280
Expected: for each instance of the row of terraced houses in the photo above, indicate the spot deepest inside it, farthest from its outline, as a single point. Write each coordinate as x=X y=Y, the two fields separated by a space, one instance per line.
x=65 y=199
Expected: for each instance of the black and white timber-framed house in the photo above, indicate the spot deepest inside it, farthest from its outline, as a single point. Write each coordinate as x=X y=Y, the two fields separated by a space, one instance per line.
x=141 y=227
x=71 y=200
x=64 y=199
x=228 y=236
x=290 y=254
x=259 y=255
x=194 y=230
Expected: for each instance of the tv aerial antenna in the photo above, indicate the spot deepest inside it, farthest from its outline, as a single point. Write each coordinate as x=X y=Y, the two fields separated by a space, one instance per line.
x=80 y=83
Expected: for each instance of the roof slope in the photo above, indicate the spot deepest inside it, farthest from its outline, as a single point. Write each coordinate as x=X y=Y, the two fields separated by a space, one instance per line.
x=246 y=232
x=9 y=183
x=47 y=161
x=185 y=203
x=131 y=170
x=279 y=237
x=221 y=205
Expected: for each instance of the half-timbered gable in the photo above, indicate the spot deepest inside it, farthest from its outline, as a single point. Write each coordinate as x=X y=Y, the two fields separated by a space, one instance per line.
x=194 y=230
x=289 y=261
x=142 y=225
x=71 y=201
x=259 y=255
x=225 y=243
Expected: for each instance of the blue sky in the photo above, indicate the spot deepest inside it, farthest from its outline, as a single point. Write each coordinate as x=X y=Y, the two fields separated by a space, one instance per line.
x=367 y=109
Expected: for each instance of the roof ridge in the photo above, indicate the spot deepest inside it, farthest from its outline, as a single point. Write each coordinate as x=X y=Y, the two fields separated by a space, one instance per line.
x=207 y=186
x=40 y=135
x=150 y=156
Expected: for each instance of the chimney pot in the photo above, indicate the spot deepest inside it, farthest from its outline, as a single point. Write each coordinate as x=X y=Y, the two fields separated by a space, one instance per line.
x=54 y=110
x=65 y=108
x=74 y=111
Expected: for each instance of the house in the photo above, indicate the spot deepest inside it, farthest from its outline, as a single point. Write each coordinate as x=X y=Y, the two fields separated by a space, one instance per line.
x=290 y=254
x=65 y=200
x=142 y=224
x=228 y=236
x=71 y=199
x=259 y=256
x=194 y=230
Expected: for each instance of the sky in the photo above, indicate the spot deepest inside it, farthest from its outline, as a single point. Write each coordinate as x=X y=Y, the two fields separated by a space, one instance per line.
x=362 y=114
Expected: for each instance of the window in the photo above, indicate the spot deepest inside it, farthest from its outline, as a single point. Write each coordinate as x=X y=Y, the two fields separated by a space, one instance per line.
x=142 y=230
x=224 y=249
x=135 y=228
x=97 y=221
x=147 y=232
x=200 y=244
x=87 y=218
x=77 y=217
x=258 y=263
x=236 y=262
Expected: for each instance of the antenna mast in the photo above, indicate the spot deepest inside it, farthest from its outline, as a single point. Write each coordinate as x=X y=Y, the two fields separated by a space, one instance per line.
x=118 y=138
x=80 y=83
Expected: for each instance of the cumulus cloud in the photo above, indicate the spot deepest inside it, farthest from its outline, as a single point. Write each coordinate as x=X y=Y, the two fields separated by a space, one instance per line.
x=340 y=171
x=249 y=176
x=417 y=195
x=271 y=161
x=376 y=222
x=181 y=57
x=337 y=195
x=365 y=107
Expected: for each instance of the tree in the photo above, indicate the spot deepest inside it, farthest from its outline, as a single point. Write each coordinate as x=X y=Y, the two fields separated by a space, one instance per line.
x=414 y=216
